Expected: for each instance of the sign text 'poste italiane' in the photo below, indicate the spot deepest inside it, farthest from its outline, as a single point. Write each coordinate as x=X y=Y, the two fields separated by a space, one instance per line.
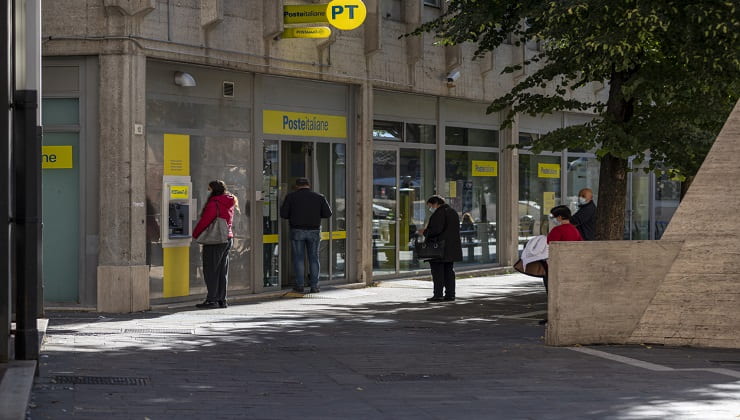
x=303 y=124
x=342 y=14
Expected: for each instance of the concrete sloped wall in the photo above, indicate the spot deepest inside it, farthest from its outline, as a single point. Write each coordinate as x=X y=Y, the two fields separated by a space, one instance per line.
x=636 y=292
x=599 y=290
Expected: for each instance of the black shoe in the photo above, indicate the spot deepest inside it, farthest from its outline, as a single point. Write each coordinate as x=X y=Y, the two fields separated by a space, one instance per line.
x=448 y=298
x=297 y=290
x=207 y=305
x=222 y=304
x=543 y=321
x=315 y=290
x=435 y=299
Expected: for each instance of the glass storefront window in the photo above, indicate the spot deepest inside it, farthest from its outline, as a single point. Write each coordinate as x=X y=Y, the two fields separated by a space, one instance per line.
x=582 y=172
x=456 y=136
x=421 y=133
x=667 y=198
x=388 y=130
x=416 y=177
x=384 y=208
x=471 y=188
x=539 y=191
x=60 y=111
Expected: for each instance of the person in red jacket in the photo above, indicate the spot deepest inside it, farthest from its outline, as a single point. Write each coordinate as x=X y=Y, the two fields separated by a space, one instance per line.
x=563 y=231
x=220 y=203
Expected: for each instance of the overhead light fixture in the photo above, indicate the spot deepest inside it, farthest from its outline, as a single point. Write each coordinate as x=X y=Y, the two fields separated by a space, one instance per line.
x=184 y=79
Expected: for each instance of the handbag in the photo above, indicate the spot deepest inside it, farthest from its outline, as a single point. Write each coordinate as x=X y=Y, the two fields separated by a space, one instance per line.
x=216 y=233
x=430 y=250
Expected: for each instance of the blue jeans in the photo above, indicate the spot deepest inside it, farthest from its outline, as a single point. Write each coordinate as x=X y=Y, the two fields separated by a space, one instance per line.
x=302 y=241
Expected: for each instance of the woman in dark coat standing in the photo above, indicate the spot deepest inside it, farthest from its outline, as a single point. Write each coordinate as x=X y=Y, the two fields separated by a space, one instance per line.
x=444 y=225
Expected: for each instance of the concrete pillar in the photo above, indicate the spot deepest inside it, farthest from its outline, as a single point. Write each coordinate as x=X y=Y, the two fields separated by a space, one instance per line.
x=123 y=277
x=508 y=197
x=362 y=174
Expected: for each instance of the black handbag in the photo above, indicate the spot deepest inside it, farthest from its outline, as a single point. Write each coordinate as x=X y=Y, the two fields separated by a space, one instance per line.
x=430 y=249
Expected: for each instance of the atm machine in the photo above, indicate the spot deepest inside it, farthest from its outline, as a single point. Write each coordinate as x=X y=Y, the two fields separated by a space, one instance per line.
x=179 y=211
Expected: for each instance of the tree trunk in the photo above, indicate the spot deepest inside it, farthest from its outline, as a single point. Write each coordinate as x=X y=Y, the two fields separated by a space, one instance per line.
x=612 y=201
x=610 y=209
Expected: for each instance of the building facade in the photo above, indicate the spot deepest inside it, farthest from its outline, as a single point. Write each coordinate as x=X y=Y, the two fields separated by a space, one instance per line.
x=147 y=101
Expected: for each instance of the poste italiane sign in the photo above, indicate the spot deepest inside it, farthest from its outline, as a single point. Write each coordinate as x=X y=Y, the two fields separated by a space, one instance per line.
x=341 y=14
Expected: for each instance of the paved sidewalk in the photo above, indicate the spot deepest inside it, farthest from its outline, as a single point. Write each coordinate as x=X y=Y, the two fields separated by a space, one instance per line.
x=374 y=353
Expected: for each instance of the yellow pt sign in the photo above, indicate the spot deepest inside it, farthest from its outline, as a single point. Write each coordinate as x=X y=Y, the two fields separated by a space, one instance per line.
x=346 y=14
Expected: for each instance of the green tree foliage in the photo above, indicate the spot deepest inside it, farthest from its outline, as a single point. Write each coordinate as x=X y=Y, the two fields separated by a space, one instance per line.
x=672 y=68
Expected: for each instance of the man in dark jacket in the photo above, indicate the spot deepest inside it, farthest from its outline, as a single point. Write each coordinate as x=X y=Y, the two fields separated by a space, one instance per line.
x=305 y=209
x=585 y=218
x=444 y=225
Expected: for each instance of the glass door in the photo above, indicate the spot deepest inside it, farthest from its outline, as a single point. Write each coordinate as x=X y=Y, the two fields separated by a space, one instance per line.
x=403 y=178
x=271 y=215
x=385 y=187
x=324 y=166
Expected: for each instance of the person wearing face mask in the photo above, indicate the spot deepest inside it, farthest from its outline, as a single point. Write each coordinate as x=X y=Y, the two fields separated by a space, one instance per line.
x=444 y=225
x=585 y=217
x=563 y=231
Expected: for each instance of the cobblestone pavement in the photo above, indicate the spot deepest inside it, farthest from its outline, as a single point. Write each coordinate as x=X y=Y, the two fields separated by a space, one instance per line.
x=375 y=353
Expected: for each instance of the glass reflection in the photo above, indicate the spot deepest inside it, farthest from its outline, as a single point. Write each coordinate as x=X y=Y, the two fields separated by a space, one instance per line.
x=384 y=216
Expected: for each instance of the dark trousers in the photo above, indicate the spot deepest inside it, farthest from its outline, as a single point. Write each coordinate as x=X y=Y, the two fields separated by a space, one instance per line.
x=216 y=270
x=443 y=276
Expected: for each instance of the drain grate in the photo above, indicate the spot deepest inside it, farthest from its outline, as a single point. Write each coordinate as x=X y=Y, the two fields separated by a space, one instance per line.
x=411 y=377
x=99 y=380
x=156 y=331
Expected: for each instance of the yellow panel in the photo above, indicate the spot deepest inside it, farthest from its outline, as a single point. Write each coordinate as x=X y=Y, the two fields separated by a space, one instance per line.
x=56 y=157
x=303 y=124
x=270 y=239
x=548 y=170
x=453 y=189
x=548 y=200
x=485 y=168
x=304 y=13
x=179 y=192
x=177 y=154
x=176 y=272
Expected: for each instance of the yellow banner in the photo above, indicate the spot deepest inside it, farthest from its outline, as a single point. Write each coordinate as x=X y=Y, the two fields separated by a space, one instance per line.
x=302 y=124
x=270 y=239
x=309 y=13
x=453 y=189
x=337 y=234
x=548 y=170
x=177 y=154
x=307 y=32
x=56 y=157
x=485 y=168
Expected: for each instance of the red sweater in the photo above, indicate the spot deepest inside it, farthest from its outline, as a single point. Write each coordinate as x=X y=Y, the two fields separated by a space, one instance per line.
x=562 y=233
x=226 y=203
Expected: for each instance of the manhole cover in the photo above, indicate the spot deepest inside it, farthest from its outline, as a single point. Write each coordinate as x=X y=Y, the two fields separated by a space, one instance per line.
x=99 y=380
x=156 y=331
x=409 y=377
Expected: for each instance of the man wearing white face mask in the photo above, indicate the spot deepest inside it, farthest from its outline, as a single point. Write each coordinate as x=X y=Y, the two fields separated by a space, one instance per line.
x=585 y=217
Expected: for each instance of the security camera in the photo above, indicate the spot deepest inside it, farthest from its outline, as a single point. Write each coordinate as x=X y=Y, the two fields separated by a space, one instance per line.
x=454 y=75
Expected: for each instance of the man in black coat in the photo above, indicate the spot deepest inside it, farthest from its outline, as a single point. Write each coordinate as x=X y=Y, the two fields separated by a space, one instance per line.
x=444 y=225
x=305 y=209
x=585 y=218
